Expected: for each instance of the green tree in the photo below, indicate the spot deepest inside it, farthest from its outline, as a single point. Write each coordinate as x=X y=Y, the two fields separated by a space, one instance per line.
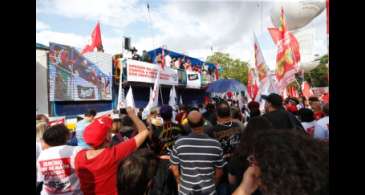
x=318 y=77
x=232 y=68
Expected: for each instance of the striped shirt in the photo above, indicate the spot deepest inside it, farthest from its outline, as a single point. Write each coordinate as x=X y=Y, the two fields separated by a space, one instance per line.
x=197 y=157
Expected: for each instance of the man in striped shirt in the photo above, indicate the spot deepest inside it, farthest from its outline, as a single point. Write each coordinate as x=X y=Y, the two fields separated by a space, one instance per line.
x=200 y=159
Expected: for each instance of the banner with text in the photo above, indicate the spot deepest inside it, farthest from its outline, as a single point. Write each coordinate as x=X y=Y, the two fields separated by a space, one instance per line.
x=138 y=71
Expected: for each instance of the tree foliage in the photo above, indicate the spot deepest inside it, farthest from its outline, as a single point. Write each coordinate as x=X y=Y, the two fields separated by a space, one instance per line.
x=232 y=68
x=318 y=77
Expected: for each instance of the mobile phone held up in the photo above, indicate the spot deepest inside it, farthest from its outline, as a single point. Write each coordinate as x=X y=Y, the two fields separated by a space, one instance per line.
x=123 y=111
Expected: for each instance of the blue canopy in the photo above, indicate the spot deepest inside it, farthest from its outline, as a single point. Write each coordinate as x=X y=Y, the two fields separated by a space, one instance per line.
x=41 y=46
x=224 y=85
x=194 y=61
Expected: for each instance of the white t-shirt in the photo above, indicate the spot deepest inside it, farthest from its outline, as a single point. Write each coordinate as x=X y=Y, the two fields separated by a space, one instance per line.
x=38 y=149
x=321 y=130
x=167 y=61
x=56 y=167
x=309 y=127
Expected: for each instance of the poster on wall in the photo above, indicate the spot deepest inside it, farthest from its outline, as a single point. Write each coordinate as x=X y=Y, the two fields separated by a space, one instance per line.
x=76 y=77
x=138 y=71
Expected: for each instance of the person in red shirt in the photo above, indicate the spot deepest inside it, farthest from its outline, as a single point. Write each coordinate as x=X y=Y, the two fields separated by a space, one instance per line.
x=97 y=167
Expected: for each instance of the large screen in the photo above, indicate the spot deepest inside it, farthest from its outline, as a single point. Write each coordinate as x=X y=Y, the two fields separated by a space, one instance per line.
x=74 y=77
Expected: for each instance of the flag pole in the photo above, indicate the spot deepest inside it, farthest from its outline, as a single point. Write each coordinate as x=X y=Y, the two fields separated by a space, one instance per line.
x=161 y=94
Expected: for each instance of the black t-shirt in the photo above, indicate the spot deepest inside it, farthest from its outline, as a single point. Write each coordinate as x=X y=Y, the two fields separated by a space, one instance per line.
x=281 y=119
x=164 y=137
x=228 y=134
x=211 y=117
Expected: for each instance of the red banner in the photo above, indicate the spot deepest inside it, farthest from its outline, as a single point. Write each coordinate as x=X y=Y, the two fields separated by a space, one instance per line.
x=56 y=122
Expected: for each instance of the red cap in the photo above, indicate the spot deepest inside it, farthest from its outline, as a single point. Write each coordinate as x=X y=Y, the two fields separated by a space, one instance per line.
x=229 y=94
x=95 y=133
x=292 y=108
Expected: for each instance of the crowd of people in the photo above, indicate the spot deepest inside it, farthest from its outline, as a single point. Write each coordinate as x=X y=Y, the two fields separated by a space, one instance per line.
x=213 y=149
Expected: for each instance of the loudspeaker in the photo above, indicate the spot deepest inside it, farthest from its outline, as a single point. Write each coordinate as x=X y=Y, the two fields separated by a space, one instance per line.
x=127 y=43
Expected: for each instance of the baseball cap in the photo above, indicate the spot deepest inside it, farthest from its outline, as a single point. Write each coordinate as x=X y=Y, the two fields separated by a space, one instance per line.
x=95 y=133
x=274 y=99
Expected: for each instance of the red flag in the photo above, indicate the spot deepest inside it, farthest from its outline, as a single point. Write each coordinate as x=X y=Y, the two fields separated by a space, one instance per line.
x=294 y=45
x=252 y=87
x=286 y=59
x=95 y=41
x=163 y=59
x=275 y=34
x=216 y=71
x=306 y=89
x=293 y=92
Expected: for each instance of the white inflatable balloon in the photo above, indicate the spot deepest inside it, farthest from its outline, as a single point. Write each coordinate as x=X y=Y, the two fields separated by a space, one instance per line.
x=297 y=13
x=308 y=66
x=306 y=39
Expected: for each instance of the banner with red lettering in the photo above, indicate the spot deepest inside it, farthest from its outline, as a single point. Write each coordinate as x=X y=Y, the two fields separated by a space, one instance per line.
x=138 y=71
x=56 y=122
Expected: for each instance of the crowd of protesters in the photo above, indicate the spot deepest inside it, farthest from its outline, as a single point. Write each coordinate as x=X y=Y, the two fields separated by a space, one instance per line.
x=213 y=149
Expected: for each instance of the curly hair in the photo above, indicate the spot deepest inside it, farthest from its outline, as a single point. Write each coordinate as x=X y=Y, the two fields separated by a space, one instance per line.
x=254 y=126
x=291 y=163
x=136 y=172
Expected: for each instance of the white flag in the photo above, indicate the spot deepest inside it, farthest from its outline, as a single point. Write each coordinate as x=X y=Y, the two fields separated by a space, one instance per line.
x=153 y=101
x=261 y=69
x=172 y=102
x=129 y=98
x=121 y=98
x=181 y=102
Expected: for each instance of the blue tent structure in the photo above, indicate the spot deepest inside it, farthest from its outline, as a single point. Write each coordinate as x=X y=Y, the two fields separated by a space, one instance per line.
x=194 y=61
x=224 y=85
x=41 y=46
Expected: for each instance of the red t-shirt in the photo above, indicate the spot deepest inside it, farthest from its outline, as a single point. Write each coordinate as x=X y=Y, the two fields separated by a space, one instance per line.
x=99 y=175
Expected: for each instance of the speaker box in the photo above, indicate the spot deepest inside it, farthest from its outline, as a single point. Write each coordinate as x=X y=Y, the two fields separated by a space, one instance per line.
x=127 y=43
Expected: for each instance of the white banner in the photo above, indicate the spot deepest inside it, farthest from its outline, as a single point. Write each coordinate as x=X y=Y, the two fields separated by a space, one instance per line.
x=193 y=80
x=138 y=71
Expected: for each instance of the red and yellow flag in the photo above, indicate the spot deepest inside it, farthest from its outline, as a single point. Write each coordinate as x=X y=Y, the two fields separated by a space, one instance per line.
x=288 y=54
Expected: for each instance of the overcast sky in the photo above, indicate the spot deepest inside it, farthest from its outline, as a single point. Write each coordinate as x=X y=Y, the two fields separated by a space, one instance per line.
x=190 y=27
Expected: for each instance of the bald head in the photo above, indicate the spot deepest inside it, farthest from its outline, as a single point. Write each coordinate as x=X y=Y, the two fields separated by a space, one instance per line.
x=195 y=119
x=194 y=116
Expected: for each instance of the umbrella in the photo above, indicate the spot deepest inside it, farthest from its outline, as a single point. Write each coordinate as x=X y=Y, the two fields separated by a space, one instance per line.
x=224 y=85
